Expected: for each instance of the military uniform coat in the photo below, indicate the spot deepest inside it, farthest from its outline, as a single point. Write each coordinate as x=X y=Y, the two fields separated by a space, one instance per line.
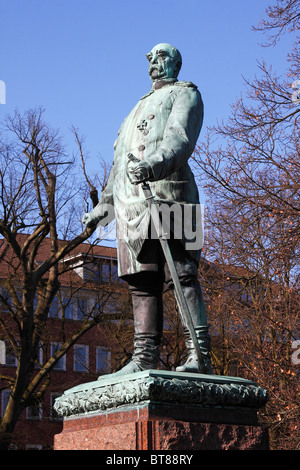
x=162 y=129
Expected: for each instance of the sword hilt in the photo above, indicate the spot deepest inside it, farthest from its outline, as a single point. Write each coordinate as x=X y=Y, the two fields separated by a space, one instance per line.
x=132 y=158
x=144 y=184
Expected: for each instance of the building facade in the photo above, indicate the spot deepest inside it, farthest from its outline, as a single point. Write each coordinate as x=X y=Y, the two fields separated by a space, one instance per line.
x=90 y=290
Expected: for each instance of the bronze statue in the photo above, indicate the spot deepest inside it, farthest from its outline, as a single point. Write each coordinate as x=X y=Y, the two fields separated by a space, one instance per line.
x=161 y=132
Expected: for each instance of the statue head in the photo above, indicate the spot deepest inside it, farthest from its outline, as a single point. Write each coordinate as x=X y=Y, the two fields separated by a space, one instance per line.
x=164 y=62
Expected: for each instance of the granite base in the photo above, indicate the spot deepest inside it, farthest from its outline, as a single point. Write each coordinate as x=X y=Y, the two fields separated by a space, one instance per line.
x=152 y=427
x=180 y=413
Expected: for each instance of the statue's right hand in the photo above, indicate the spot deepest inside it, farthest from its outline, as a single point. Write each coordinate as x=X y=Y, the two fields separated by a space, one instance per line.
x=88 y=220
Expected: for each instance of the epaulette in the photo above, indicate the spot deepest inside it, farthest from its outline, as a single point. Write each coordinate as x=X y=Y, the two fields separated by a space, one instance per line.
x=187 y=84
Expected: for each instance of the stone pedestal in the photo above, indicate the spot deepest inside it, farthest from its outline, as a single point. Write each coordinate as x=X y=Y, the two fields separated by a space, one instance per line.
x=162 y=410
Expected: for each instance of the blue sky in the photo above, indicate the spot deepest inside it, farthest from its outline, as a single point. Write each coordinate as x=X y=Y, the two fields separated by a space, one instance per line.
x=84 y=60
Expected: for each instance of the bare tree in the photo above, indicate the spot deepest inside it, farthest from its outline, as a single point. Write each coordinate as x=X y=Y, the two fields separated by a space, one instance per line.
x=249 y=167
x=253 y=303
x=41 y=199
x=281 y=18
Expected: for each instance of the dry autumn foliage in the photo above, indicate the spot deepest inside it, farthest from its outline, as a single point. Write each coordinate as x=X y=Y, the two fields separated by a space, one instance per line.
x=250 y=169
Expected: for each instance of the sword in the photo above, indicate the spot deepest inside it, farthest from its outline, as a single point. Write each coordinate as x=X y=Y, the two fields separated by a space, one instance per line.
x=179 y=295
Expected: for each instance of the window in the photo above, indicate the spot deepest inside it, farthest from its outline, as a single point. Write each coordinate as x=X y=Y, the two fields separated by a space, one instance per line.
x=2 y=352
x=35 y=302
x=4 y=400
x=105 y=272
x=7 y=354
x=103 y=359
x=81 y=358
x=53 y=310
x=245 y=296
x=81 y=308
x=11 y=359
x=5 y=300
x=34 y=412
x=39 y=358
x=68 y=308
x=114 y=272
x=61 y=363
x=110 y=306
x=53 y=415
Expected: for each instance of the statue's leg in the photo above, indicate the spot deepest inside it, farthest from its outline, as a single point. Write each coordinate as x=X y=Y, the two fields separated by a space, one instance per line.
x=193 y=295
x=146 y=293
x=188 y=275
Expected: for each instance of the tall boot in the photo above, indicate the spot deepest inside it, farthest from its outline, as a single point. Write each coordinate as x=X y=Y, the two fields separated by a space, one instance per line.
x=194 y=298
x=191 y=364
x=145 y=355
x=148 y=325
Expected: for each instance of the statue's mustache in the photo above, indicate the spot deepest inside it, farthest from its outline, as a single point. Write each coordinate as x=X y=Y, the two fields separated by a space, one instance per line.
x=155 y=67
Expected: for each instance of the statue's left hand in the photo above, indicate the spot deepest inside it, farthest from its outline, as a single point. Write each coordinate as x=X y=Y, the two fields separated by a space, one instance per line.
x=89 y=220
x=139 y=172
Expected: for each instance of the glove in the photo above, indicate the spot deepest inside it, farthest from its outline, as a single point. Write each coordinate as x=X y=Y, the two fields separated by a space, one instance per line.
x=139 y=172
x=89 y=220
x=100 y=213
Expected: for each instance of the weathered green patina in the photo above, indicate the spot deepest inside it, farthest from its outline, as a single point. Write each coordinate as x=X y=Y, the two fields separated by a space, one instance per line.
x=160 y=134
x=163 y=387
x=161 y=131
